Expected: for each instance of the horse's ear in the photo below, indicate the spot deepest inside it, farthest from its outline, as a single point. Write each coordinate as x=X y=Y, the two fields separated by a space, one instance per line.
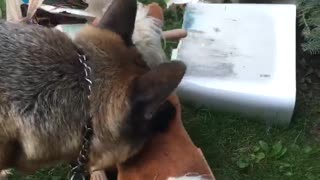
x=120 y=18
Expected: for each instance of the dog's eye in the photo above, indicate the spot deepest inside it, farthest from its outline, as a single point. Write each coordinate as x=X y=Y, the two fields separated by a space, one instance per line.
x=138 y=59
x=140 y=62
x=149 y=115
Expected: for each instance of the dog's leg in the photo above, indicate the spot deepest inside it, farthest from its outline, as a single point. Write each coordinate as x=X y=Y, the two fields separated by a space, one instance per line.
x=6 y=159
x=97 y=175
x=4 y=156
x=9 y=153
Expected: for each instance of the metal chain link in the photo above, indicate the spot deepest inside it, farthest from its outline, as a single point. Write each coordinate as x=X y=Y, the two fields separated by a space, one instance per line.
x=79 y=171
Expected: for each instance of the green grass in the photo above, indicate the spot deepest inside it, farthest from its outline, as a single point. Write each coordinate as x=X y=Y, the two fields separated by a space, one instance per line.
x=237 y=147
x=2 y=8
x=229 y=143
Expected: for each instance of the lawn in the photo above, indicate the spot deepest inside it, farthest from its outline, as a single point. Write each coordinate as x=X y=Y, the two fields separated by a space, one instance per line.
x=237 y=147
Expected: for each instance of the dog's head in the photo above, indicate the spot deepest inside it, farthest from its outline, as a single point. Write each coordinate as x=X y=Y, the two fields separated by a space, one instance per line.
x=130 y=101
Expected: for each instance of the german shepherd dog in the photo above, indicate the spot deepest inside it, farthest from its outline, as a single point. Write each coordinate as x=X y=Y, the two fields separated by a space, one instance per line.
x=43 y=93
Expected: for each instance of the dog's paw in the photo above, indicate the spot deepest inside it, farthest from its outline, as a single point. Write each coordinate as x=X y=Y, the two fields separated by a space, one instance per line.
x=97 y=175
x=4 y=174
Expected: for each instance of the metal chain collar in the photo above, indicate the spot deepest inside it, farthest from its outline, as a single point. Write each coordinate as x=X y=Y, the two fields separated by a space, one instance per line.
x=79 y=171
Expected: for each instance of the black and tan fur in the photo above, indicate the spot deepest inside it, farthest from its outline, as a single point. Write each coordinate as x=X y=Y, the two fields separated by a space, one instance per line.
x=43 y=103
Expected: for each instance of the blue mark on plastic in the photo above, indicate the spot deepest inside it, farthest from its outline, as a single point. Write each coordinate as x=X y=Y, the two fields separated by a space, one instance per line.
x=25 y=1
x=188 y=19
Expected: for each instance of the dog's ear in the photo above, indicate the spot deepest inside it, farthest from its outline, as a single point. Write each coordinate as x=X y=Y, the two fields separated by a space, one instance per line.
x=120 y=18
x=152 y=88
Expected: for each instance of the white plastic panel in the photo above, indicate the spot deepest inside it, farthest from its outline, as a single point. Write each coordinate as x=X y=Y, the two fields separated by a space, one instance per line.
x=241 y=58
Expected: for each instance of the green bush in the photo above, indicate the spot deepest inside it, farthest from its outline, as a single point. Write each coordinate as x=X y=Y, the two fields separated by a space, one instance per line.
x=309 y=18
